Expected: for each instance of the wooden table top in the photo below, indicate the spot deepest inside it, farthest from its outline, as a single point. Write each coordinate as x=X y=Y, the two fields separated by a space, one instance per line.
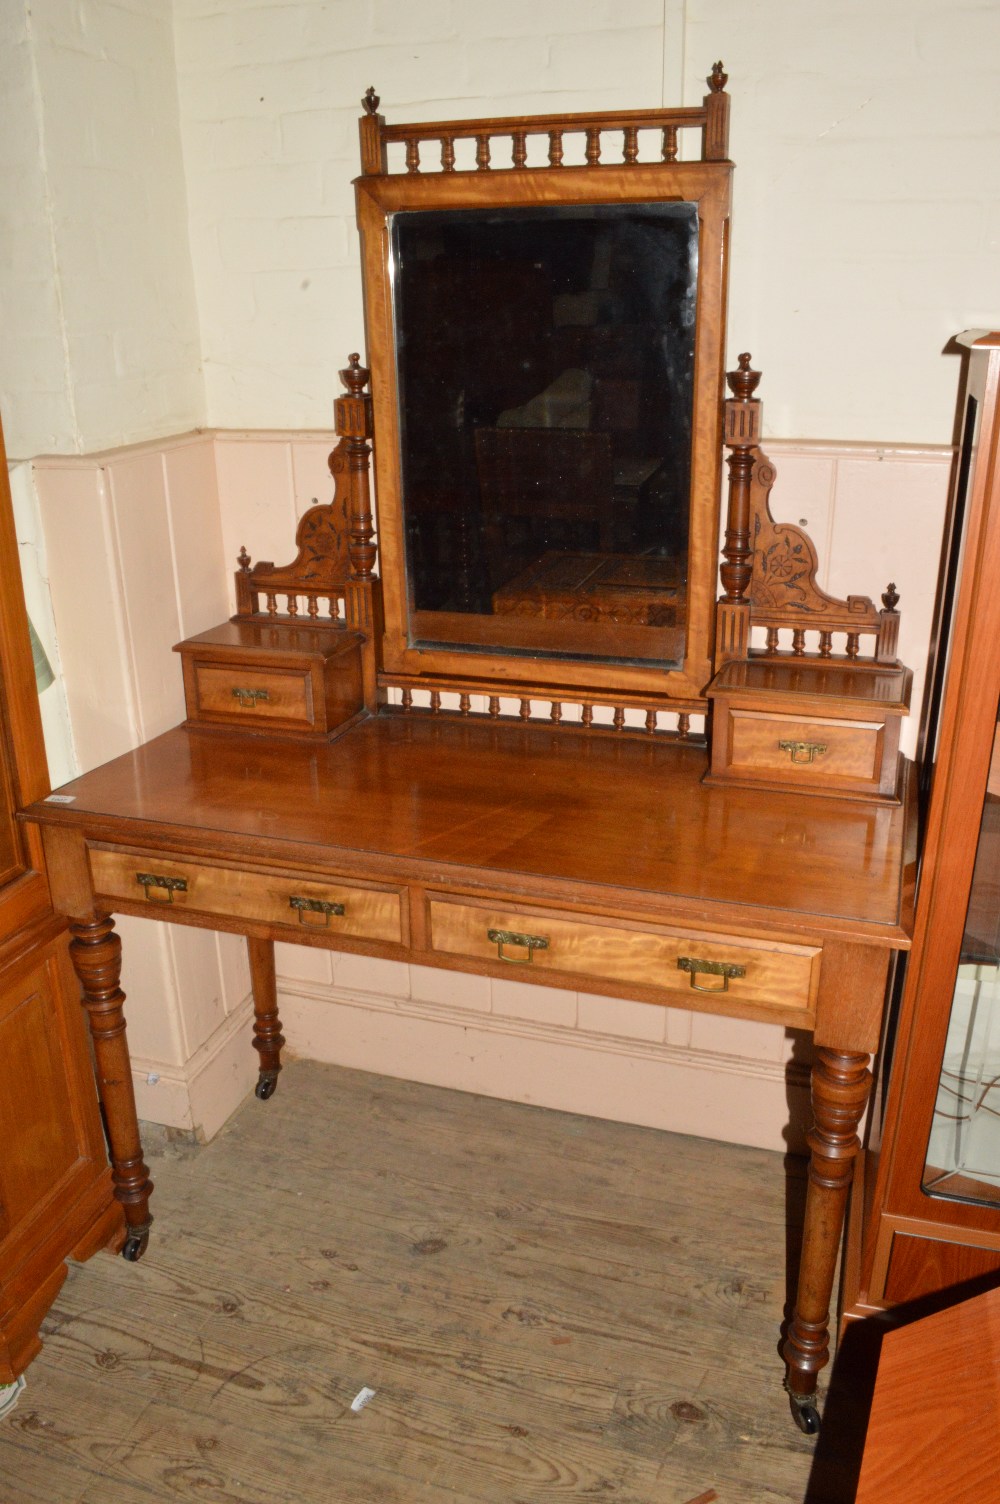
x=932 y=1436
x=558 y=812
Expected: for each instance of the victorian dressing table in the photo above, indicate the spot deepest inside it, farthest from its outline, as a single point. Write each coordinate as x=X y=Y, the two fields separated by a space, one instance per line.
x=365 y=765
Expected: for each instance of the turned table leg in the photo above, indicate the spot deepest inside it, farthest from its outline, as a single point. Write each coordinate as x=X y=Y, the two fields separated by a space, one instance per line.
x=96 y=952
x=840 y=1086
x=267 y=1035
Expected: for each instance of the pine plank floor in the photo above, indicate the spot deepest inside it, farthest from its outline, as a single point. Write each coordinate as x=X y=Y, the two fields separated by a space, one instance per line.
x=548 y=1307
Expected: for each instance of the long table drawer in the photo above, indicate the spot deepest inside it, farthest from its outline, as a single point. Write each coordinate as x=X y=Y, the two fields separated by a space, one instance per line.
x=693 y=968
x=336 y=908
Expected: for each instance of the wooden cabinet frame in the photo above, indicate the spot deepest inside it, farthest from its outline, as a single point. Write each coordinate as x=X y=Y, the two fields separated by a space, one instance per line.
x=906 y=1244
x=56 y=1191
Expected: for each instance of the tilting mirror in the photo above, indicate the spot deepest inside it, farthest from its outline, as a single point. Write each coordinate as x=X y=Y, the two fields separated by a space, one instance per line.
x=546 y=350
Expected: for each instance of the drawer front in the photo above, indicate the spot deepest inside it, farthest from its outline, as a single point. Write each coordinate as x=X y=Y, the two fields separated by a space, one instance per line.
x=813 y=750
x=231 y=693
x=692 y=968
x=331 y=908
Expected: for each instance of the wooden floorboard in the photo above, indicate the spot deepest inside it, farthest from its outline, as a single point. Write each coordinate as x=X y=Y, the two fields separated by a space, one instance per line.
x=548 y=1307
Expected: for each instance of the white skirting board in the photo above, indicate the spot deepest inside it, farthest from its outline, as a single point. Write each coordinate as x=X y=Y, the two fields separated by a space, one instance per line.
x=681 y=1090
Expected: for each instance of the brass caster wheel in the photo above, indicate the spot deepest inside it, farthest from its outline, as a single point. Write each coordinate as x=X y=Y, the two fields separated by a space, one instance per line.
x=135 y=1246
x=804 y=1413
x=266 y=1085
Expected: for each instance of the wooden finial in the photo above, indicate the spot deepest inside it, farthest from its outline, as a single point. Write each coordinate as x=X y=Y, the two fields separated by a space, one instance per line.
x=243 y=560
x=374 y=162
x=888 y=627
x=355 y=375
x=715 y=143
x=744 y=381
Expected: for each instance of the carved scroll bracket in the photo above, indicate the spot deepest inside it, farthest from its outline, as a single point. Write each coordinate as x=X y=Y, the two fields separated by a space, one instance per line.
x=335 y=540
x=769 y=569
x=321 y=565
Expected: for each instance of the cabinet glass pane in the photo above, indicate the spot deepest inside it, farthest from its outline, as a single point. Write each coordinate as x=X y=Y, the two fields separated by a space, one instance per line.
x=963 y=1154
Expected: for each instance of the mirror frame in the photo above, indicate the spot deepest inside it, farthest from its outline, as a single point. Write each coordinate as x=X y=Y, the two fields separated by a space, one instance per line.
x=706 y=183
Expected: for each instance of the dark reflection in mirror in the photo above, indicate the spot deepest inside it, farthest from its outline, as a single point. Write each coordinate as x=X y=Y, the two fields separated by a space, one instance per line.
x=545 y=362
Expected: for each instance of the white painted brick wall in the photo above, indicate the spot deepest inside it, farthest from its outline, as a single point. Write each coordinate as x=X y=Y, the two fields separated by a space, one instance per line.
x=101 y=340
x=865 y=135
x=284 y=83
x=867 y=215
x=34 y=399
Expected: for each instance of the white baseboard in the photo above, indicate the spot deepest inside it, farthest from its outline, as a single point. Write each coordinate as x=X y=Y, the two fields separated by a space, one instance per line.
x=682 y=1090
x=201 y=1094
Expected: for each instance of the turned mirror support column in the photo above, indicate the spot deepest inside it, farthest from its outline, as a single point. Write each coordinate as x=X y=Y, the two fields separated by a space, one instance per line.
x=96 y=952
x=841 y=1083
x=353 y=419
x=741 y=434
x=267 y=1036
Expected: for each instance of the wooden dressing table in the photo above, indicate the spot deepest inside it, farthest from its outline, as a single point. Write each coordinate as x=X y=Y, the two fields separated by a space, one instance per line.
x=428 y=816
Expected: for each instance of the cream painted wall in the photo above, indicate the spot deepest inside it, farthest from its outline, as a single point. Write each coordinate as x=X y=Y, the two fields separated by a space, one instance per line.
x=101 y=338
x=867 y=204
x=134 y=558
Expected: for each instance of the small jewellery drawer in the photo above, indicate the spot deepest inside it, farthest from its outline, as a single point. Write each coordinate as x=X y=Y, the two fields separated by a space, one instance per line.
x=768 y=978
x=332 y=908
x=807 y=749
x=279 y=679
x=809 y=726
x=224 y=692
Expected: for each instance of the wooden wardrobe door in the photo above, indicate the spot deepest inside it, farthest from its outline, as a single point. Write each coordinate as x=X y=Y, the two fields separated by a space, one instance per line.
x=56 y=1196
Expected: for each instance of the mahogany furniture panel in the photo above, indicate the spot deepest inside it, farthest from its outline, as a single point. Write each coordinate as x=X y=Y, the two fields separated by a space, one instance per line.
x=56 y=1193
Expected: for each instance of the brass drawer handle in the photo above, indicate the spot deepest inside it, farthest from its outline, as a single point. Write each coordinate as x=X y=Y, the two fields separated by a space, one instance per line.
x=315 y=906
x=723 y=969
x=802 y=752
x=151 y=881
x=530 y=943
x=248 y=697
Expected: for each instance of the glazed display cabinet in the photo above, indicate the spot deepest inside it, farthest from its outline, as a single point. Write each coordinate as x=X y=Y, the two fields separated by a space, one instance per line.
x=926 y=1218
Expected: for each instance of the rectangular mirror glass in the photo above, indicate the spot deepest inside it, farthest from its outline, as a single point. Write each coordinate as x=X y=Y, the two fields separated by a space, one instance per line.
x=545 y=362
